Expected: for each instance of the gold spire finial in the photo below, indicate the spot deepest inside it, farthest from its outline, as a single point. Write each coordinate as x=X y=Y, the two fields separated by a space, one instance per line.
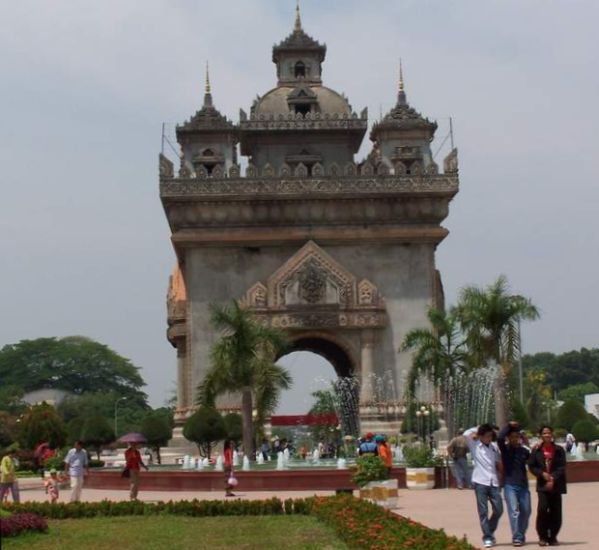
x=401 y=84
x=207 y=78
x=298 y=19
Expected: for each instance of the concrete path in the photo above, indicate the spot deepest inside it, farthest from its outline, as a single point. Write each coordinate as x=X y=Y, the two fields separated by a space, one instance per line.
x=450 y=509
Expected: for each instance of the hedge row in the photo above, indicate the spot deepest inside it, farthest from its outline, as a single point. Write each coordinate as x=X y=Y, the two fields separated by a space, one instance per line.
x=15 y=524
x=359 y=523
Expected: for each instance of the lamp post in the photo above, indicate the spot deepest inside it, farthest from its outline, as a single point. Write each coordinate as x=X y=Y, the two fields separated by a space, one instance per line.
x=116 y=406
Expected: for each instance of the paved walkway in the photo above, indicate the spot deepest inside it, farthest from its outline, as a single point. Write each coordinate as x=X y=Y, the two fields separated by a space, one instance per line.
x=450 y=509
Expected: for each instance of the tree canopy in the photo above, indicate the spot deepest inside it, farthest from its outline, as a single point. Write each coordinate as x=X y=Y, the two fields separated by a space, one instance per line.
x=205 y=427
x=42 y=424
x=157 y=426
x=75 y=364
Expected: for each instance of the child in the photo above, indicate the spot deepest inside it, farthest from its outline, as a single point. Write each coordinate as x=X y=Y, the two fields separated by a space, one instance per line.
x=52 y=485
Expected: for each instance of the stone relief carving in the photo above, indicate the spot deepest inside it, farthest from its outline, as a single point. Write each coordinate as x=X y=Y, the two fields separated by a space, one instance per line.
x=416 y=168
x=400 y=168
x=367 y=169
x=184 y=171
x=165 y=167
x=234 y=171
x=251 y=171
x=432 y=168
x=202 y=173
x=285 y=171
x=382 y=169
x=317 y=170
x=351 y=169
x=334 y=169
x=217 y=172
x=268 y=171
x=312 y=278
x=301 y=171
x=450 y=163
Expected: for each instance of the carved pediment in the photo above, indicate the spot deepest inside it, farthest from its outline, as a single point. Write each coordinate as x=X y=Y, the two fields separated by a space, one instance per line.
x=312 y=289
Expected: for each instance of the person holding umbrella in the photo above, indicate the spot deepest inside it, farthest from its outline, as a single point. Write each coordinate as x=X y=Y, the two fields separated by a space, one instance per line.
x=133 y=461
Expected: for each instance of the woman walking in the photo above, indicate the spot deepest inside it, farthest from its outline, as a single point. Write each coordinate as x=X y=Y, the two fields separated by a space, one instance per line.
x=548 y=464
x=228 y=466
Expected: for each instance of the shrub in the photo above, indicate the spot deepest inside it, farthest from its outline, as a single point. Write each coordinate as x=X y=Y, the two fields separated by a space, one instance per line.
x=205 y=427
x=569 y=413
x=420 y=456
x=369 y=468
x=15 y=524
x=585 y=431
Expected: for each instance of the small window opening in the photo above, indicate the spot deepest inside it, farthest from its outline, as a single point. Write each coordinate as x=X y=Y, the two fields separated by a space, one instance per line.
x=302 y=108
x=300 y=69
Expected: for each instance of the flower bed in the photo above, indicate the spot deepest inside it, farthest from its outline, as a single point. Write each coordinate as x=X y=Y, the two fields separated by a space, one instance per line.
x=359 y=523
x=15 y=524
x=362 y=524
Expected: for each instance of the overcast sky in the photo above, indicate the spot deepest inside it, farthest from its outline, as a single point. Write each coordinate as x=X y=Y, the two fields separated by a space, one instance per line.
x=85 y=87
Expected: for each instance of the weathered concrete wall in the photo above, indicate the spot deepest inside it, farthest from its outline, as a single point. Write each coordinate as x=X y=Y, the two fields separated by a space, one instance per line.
x=404 y=275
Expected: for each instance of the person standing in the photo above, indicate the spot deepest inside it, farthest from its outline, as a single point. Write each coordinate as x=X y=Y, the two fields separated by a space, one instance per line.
x=134 y=463
x=570 y=440
x=514 y=457
x=384 y=451
x=8 y=476
x=228 y=466
x=547 y=463
x=368 y=446
x=76 y=466
x=458 y=451
x=485 y=479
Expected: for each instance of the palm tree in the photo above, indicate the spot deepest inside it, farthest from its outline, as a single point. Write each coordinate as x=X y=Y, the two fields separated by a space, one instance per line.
x=489 y=318
x=243 y=361
x=439 y=353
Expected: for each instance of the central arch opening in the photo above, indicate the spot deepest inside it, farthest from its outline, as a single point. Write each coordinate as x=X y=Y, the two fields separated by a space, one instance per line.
x=322 y=404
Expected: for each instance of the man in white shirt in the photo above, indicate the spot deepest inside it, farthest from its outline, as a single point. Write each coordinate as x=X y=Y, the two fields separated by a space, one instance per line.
x=76 y=466
x=485 y=479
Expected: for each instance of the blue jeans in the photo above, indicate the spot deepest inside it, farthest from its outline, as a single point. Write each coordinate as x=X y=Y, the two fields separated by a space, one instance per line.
x=461 y=472
x=517 y=500
x=484 y=495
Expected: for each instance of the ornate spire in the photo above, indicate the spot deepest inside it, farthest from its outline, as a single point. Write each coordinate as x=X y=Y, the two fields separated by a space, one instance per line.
x=298 y=19
x=401 y=95
x=207 y=89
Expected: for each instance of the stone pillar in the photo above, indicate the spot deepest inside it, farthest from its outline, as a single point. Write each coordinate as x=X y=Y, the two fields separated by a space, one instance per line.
x=366 y=367
x=181 y=382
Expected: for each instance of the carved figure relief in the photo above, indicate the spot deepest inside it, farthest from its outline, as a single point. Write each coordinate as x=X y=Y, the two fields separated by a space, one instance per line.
x=312 y=284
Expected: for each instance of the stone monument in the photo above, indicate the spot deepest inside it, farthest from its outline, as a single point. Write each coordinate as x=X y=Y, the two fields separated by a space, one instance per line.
x=338 y=253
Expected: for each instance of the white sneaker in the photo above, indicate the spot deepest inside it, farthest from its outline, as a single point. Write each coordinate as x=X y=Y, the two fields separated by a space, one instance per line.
x=489 y=544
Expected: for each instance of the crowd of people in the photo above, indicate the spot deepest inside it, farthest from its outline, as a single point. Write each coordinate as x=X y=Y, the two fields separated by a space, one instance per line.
x=503 y=458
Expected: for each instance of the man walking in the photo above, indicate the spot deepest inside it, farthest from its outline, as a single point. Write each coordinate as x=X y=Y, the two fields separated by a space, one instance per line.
x=514 y=457
x=457 y=450
x=8 y=477
x=76 y=467
x=485 y=479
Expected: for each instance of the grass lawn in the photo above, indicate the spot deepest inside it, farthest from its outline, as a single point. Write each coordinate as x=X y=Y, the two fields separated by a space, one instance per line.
x=181 y=533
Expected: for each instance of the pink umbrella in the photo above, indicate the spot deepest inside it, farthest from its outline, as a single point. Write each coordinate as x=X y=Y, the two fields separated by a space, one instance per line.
x=132 y=437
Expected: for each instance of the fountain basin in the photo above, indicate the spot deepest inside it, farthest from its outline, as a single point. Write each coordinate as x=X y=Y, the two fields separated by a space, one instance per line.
x=295 y=479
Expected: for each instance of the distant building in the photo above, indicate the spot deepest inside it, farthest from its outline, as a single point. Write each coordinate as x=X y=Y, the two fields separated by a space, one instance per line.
x=50 y=396
x=591 y=403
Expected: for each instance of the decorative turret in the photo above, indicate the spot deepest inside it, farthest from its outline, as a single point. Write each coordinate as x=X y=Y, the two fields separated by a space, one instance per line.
x=299 y=57
x=402 y=137
x=208 y=140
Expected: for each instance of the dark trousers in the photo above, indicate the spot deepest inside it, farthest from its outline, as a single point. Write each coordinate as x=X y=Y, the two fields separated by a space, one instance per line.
x=549 y=515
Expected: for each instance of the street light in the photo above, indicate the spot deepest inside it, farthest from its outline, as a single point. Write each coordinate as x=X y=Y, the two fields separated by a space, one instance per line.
x=116 y=405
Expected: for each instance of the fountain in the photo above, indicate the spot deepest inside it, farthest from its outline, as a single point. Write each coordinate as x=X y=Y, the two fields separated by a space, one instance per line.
x=199 y=464
x=259 y=458
x=579 y=451
x=573 y=450
x=280 y=461
x=341 y=464
x=219 y=465
x=316 y=456
x=286 y=458
x=205 y=462
x=186 y=462
x=246 y=464
x=235 y=458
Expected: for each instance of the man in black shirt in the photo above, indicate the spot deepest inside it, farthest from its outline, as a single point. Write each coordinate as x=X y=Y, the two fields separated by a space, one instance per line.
x=516 y=493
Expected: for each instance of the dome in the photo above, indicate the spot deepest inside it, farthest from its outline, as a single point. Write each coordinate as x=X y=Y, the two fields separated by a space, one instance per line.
x=275 y=102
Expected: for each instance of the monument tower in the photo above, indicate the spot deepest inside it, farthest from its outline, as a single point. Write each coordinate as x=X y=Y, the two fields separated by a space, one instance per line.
x=338 y=253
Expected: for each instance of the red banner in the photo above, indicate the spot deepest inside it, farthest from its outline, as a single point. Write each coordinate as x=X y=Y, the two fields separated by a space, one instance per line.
x=328 y=419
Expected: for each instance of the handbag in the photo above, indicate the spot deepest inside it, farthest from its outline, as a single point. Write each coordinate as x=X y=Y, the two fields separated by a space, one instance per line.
x=126 y=473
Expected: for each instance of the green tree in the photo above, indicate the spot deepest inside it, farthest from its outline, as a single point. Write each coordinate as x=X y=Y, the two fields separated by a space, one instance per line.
x=439 y=354
x=157 y=426
x=489 y=318
x=585 y=431
x=242 y=361
x=8 y=429
x=205 y=427
x=569 y=413
x=233 y=427
x=41 y=423
x=96 y=432
x=75 y=364
x=578 y=391
x=325 y=402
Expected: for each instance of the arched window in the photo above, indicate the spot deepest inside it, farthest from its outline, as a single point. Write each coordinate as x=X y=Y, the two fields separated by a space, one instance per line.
x=300 y=69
